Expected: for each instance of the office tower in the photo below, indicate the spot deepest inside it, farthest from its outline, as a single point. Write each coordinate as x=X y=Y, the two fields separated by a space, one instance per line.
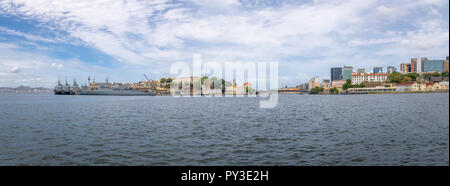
x=377 y=70
x=419 y=65
x=391 y=69
x=336 y=73
x=413 y=64
x=433 y=66
x=347 y=72
x=404 y=69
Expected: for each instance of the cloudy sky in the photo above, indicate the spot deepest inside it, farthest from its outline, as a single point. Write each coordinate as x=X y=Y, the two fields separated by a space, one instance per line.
x=43 y=39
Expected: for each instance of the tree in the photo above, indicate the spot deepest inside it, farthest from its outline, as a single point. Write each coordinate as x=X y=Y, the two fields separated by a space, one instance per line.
x=444 y=74
x=347 y=84
x=397 y=77
x=334 y=90
x=413 y=76
x=316 y=90
x=168 y=80
x=162 y=80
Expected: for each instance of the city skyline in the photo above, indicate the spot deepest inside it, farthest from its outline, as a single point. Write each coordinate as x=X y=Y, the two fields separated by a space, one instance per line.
x=40 y=41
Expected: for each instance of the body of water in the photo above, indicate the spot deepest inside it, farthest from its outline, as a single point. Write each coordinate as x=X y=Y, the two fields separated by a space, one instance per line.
x=392 y=129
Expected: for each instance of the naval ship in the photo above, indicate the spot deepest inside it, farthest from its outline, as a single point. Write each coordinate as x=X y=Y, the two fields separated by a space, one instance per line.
x=66 y=89
x=102 y=89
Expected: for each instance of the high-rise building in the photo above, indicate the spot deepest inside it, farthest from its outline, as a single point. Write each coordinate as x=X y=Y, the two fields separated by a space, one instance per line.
x=413 y=65
x=361 y=70
x=336 y=73
x=419 y=65
x=347 y=72
x=377 y=70
x=433 y=66
x=391 y=69
x=404 y=69
x=446 y=64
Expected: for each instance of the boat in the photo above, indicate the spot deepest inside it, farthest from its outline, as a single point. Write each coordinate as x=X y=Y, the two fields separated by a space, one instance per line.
x=101 y=89
x=109 y=91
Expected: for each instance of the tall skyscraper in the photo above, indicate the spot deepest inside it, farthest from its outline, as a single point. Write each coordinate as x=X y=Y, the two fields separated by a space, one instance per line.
x=347 y=72
x=413 y=64
x=361 y=70
x=336 y=73
x=391 y=69
x=433 y=66
x=419 y=65
x=377 y=70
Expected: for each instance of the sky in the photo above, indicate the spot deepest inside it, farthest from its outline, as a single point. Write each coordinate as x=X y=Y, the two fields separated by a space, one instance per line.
x=42 y=40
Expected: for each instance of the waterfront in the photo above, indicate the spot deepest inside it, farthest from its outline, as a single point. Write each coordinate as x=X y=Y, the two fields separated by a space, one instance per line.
x=387 y=129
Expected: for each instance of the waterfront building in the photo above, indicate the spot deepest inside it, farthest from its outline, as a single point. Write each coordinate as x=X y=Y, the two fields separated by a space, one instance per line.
x=347 y=72
x=391 y=69
x=444 y=85
x=433 y=86
x=446 y=64
x=433 y=66
x=369 y=78
x=361 y=70
x=377 y=70
x=336 y=74
x=408 y=86
x=338 y=84
x=314 y=82
x=371 y=89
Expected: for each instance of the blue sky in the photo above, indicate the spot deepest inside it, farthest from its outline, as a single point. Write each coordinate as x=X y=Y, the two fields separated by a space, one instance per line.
x=41 y=40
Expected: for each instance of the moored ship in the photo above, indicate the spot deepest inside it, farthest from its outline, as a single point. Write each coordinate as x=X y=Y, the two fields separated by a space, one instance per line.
x=101 y=89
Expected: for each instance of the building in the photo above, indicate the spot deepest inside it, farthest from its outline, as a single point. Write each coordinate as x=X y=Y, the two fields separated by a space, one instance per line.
x=369 y=78
x=408 y=86
x=433 y=66
x=326 y=84
x=444 y=85
x=347 y=72
x=371 y=89
x=336 y=74
x=433 y=86
x=377 y=70
x=405 y=68
x=361 y=70
x=338 y=84
x=446 y=64
x=413 y=64
x=391 y=69
x=314 y=82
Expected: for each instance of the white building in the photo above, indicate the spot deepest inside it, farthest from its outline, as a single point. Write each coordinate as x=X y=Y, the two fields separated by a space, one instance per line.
x=369 y=78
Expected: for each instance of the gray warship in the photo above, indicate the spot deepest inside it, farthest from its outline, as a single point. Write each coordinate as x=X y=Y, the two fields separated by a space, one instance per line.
x=101 y=89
